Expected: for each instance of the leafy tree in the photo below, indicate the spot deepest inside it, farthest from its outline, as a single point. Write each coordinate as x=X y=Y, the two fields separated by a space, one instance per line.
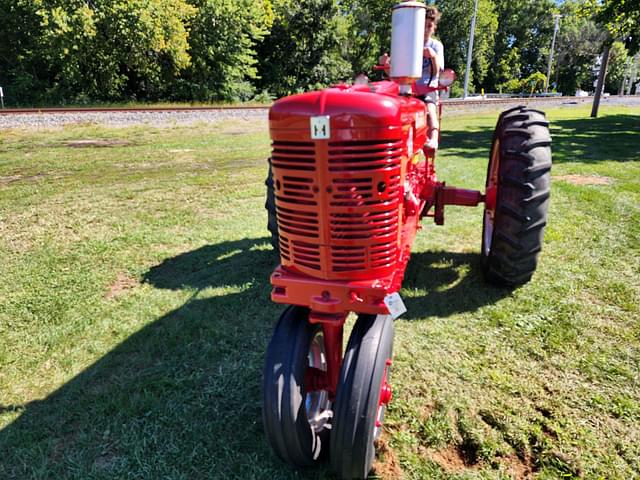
x=509 y=71
x=526 y=25
x=622 y=20
x=108 y=50
x=578 y=44
x=303 y=50
x=618 y=65
x=367 y=32
x=453 y=31
x=223 y=38
x=20 y=70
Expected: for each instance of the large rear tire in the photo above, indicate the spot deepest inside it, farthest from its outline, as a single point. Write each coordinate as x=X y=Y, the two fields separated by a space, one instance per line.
x=518 y=187
x=363 y=393
x=270 y=205
x=296 y=422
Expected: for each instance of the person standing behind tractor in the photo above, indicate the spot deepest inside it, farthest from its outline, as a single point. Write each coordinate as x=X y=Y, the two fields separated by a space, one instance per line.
x=432 y=65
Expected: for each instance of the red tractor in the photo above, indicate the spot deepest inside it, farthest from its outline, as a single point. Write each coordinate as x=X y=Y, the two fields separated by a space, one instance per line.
x=349 y=182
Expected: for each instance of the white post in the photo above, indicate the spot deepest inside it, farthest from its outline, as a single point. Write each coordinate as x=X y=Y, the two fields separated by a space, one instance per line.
x=1 y=97
x=553 y=44
x=470 y=49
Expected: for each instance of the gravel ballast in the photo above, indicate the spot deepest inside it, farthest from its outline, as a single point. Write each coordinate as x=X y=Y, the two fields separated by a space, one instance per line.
x=168 y=118
x=157 y=118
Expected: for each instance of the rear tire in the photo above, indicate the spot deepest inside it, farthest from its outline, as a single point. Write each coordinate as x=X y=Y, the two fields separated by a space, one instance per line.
x=358 y=411
x=270 y=205
x=520 y=171
x=296 y=422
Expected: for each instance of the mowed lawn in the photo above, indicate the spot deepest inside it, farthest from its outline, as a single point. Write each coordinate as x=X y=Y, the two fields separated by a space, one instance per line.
x=135 y=311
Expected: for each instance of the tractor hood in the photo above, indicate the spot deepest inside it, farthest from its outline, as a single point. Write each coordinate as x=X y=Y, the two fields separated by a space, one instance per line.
x=373 y=106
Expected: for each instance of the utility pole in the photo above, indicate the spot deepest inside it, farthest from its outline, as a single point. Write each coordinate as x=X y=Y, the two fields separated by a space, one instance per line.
x=470 y=49
x=553 y=45
x=600 y=84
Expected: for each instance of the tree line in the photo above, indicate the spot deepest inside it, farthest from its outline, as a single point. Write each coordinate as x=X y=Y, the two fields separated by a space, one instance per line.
x=85 y=51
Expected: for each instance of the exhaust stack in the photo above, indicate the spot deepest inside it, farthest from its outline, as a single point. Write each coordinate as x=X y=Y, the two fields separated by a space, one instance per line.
x=407 y=43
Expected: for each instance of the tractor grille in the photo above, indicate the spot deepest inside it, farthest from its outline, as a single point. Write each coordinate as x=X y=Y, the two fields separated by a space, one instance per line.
x=362 y=156
x=363 y=207
x=300 y=253
x=293 y=156
x=338 y=206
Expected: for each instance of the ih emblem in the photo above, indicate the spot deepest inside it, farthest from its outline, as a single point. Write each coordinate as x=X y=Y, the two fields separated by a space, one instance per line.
x=320 y=128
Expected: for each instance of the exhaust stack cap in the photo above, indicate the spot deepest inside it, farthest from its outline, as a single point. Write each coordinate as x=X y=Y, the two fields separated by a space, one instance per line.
x=407 y=41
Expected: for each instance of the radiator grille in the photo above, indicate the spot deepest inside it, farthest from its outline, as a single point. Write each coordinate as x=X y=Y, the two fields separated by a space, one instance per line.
x=364 y=155
x=298 y=222
x=293 y=156
x=364 y=203
x=360 y=197
x=348 y=259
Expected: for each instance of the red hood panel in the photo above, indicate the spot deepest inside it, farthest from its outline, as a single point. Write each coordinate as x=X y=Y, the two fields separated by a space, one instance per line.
x=360 y=106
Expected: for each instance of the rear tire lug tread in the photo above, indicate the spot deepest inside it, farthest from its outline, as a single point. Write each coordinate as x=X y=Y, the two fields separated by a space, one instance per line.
x=543 y=142
x=534 y=226
x=524 y=255
x=514 y=182
x=513 y=213
x=537 y=197
x=540 y=123
x=512 y=242
x=543 y=167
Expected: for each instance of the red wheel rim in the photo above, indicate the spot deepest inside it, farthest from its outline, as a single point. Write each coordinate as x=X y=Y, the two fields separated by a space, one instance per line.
x=491 y=196
x=384 y=398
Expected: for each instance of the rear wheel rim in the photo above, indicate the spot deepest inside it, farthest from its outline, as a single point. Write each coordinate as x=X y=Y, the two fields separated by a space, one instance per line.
x=317 y=402
x=492 y=184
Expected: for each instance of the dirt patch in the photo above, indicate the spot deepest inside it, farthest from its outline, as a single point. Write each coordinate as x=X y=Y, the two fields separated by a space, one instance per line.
x=120 y=286
x=584 y=179
x=518 y=468
x=181 y=150
x=88 y=143
x=386 y=465
x=58 y=448
x=105 y=461
x=452 y=459
x=19 y=177
x=426 y=410
x=236 y=132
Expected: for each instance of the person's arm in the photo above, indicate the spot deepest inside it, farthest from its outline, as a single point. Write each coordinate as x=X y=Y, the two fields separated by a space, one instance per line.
x=440 y=57
x=436 y=57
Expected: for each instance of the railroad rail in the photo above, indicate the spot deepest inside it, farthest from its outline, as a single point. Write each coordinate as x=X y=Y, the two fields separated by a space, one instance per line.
x=453 y=103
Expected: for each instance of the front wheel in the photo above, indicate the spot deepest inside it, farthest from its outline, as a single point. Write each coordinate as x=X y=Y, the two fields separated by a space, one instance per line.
x=517 y=196
x=296 y=420
x=363 y=394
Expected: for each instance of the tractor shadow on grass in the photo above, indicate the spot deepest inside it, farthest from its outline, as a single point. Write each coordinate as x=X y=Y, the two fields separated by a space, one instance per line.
x=179 y=398
x=182 y=396
x=440 y=284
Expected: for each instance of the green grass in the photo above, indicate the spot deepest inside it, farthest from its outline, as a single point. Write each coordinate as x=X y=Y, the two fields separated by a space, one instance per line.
x=135 y=312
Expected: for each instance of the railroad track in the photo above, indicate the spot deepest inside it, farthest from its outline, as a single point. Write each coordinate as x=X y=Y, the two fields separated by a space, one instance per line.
x=454 y=103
